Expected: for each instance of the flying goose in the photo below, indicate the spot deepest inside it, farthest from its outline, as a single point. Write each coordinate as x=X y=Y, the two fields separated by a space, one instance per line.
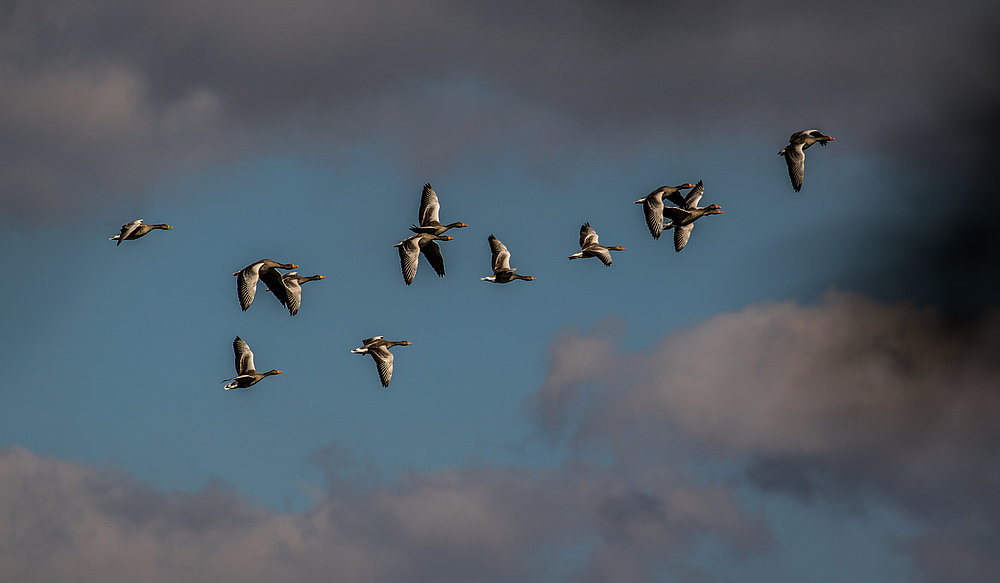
x=410 y=249
x=683 y=216
x=429 y=208
x=289 y=293
x=134 y=230
x=589 y=247
x=502 y=271
x=652 y=206
x=246 y=285
x=246 y=375
x=379 y=351
x=795 y=155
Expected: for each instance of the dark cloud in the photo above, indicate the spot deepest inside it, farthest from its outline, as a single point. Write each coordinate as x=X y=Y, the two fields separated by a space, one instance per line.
x=851 y=401
x=62 y=521
x=108 y=97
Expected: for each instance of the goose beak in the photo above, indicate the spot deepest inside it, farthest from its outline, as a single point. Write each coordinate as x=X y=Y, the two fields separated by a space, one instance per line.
x=464 y=225
x=277 y=372
x=322 y=277
x=447 y=238
x=531 y=279
x=407 y=343
x=169 y=228
x=688 y=185
x=294 y=266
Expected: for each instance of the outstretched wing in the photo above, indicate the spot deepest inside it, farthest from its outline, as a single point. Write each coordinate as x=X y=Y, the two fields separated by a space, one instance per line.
x=244 y=358
x=432 y=251
x=652 y=206
x=246 y=284
x=588 y=235
x=293 y=291
x=127 y=230
x=501 y=257
x=681 y=235
x=796 y=160
x=603 y=254
x=429 y=206
x=383 y=362
x=693 y=197
x=274 y=281
x=409 y=254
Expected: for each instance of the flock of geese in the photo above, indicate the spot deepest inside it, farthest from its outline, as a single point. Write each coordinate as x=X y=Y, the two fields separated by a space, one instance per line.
x=287 y=287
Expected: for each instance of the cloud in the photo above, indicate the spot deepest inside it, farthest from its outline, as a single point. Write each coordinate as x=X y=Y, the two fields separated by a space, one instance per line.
x=850 y=401
x=60 y=520
x=109 y=89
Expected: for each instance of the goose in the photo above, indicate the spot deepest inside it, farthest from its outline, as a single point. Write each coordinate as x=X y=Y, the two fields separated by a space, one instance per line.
x=429 y=208
x=289 y=293
x=502 y=271
x=378 y=348
x=795 y=155
x=652 y=206
x=246 y=375
x=246 y=285
x=134 y=230
x=683 y=216
x=589 y=247
x=411 y=247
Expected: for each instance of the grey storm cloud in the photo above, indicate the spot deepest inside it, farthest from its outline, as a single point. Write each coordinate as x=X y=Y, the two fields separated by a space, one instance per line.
x=848 y=401
x=104 y=98
x=65 y=521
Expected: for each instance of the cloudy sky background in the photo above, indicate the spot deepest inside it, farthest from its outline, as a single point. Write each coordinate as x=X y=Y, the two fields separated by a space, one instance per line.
x=809 y=391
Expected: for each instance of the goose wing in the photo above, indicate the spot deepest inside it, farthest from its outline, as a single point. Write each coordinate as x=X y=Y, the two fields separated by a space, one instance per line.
x=276 y=283
x=429 y=206
x=501 y=257
x=601 y=253
x=246 y=283
x=681 y=235
x=652 y=206
x=409 y=255
x=796 y=160
x=244 y=357
x=127 y=230
x=293 y=292
x=432 y=251
x=588 y=236
x=676 y=197
x=383 y=362
x=693 y=197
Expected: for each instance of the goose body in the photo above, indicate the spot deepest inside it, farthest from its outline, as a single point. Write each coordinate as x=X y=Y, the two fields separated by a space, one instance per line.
x=289 y=293
x=502 y=271
x=246 y=375
x=411 y=248
x=589 y=246
x=428 y=214
x=134 y=230
x=378 y=348
x=683 y=216
x=795 y=155
x=652 y=206
x=246 y=283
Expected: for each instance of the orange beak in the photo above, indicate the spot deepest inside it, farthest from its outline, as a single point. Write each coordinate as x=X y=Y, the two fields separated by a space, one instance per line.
x=322 y=277
x=294 y=266
x=169 y=227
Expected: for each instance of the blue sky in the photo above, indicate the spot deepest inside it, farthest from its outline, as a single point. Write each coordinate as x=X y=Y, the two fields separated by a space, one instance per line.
x=806 y=392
